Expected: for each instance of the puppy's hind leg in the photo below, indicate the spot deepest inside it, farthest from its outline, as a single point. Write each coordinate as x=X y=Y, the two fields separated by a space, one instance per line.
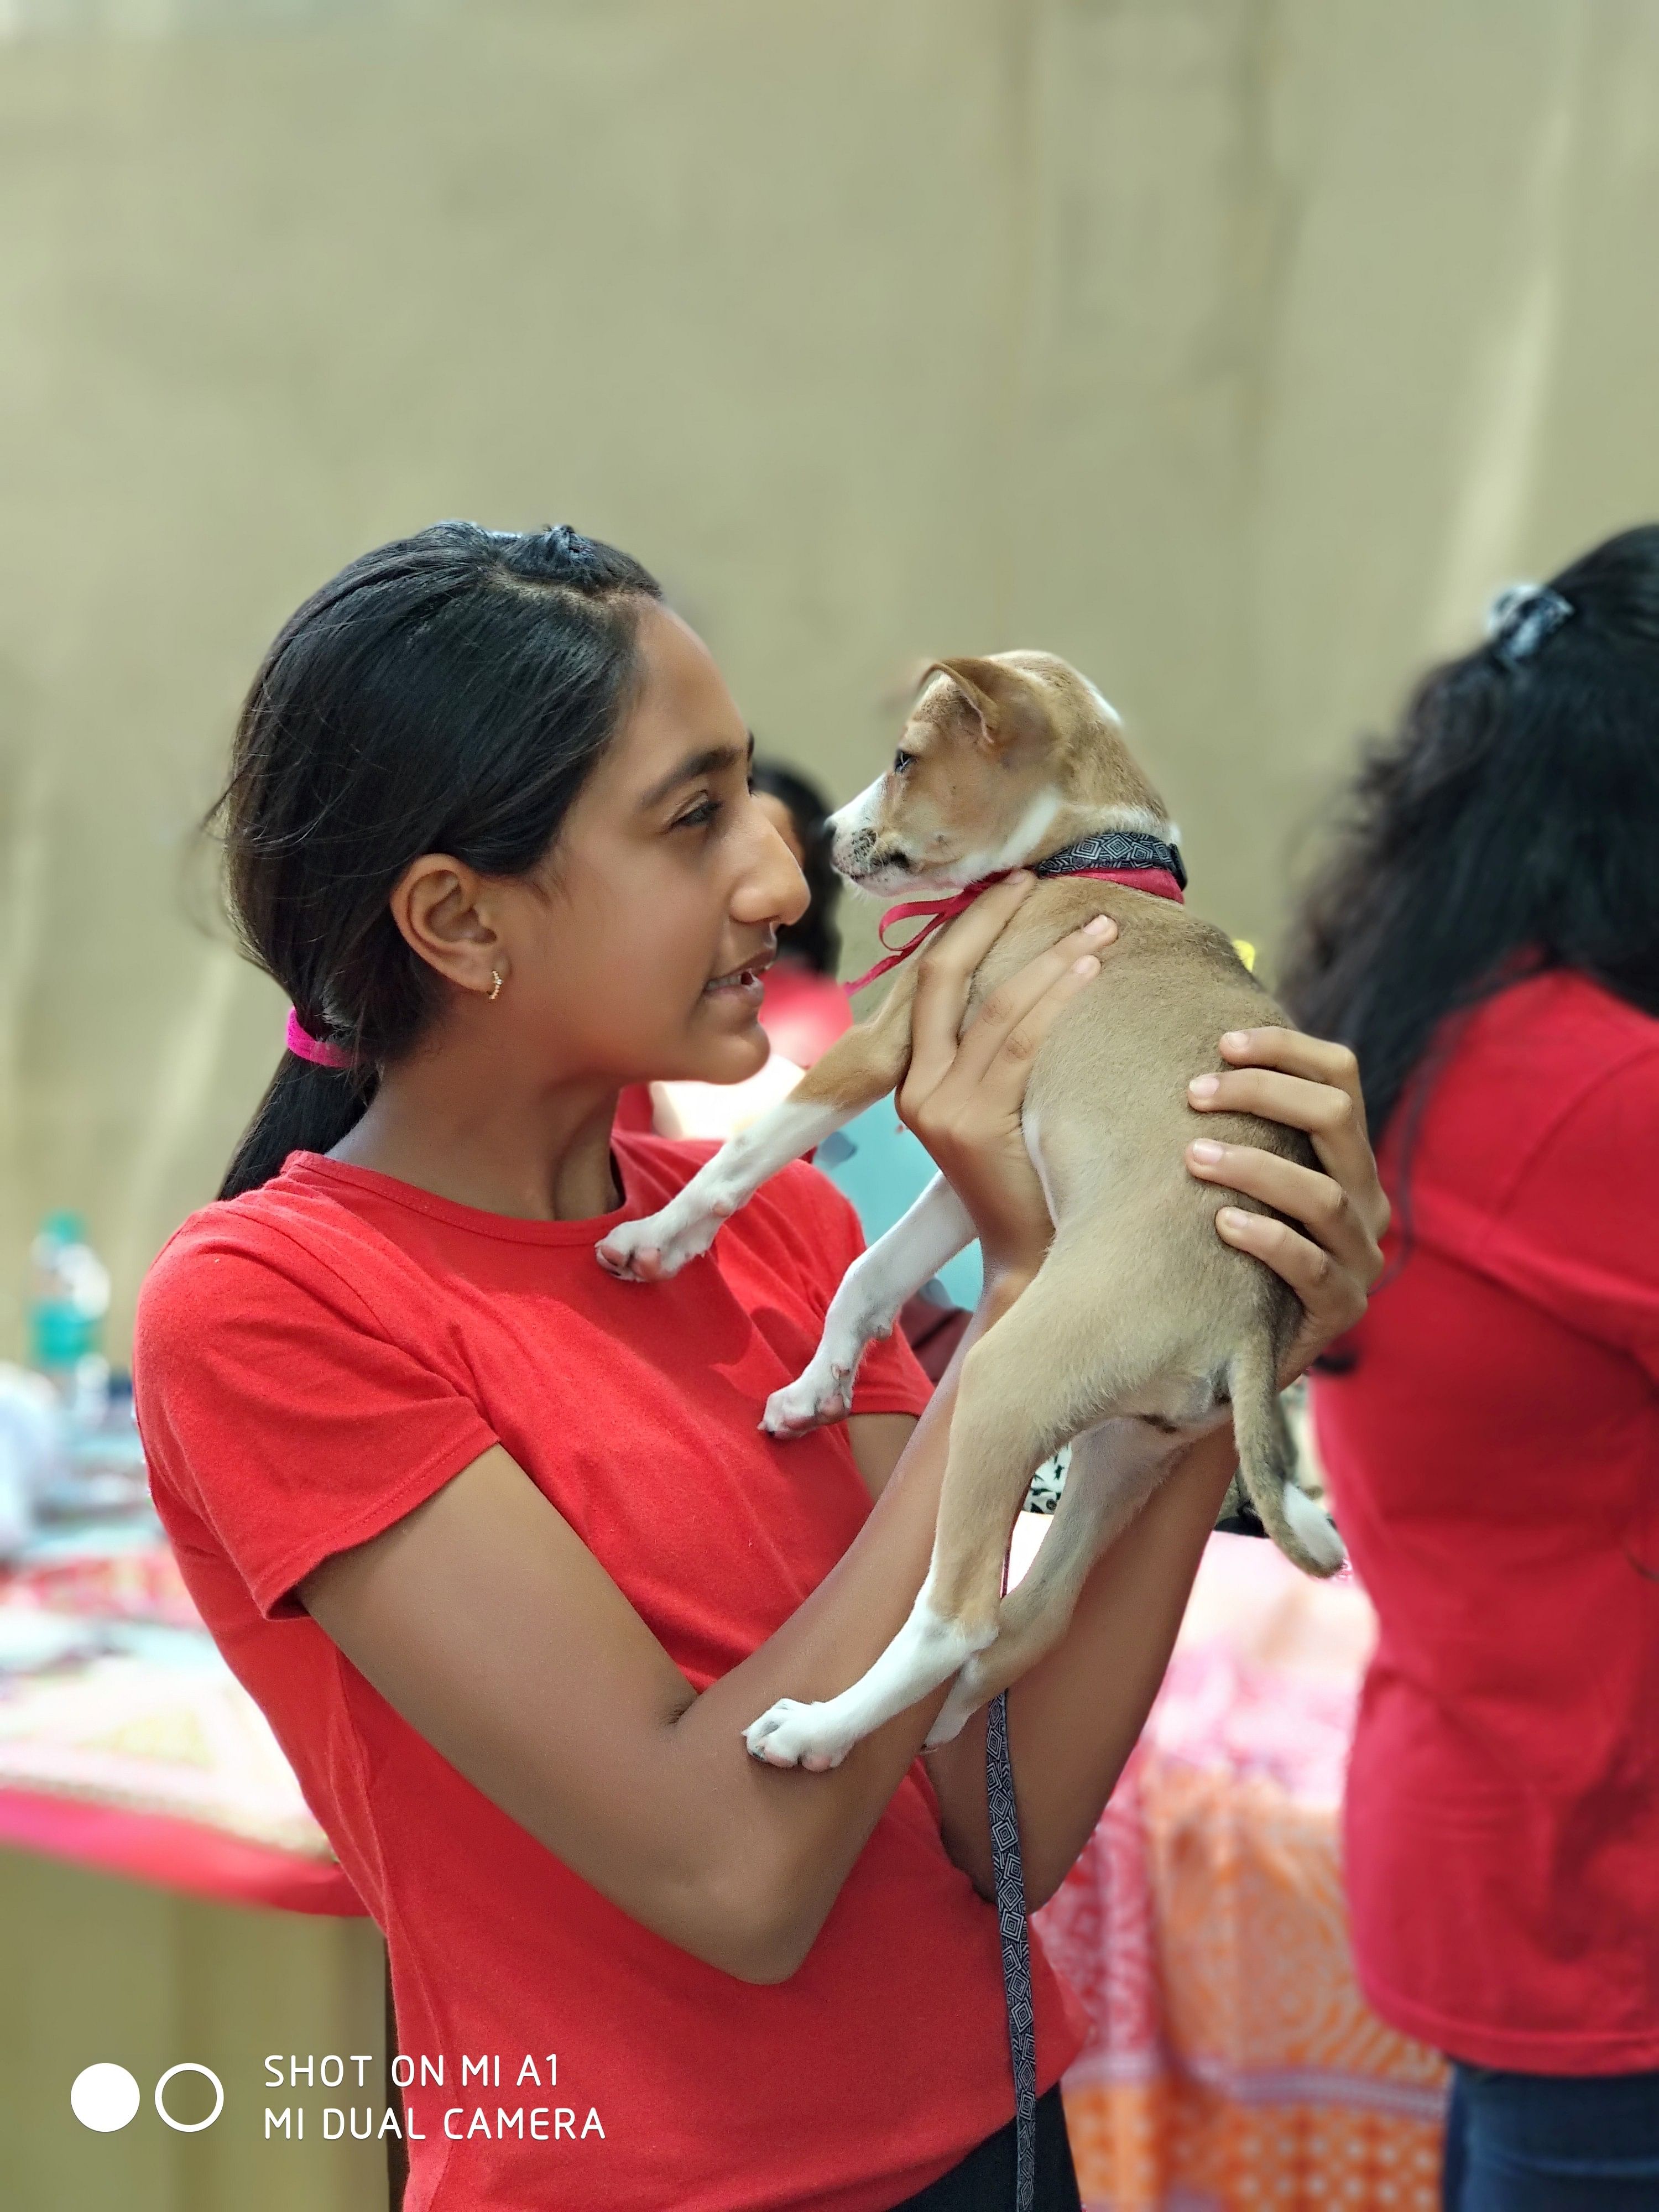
x=859 y=1067
x=866 y=1305
x=1115 y=1468
x=1016 y=1404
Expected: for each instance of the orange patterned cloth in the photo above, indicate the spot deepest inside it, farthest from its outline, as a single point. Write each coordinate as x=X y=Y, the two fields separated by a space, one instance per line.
x=1234 y=2066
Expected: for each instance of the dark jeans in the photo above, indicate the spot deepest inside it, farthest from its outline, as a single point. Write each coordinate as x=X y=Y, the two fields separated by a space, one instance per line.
x=984 y=2180
x=1551 y=2143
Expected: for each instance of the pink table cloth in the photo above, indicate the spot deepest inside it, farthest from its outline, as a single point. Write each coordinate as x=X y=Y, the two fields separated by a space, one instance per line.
x=147 y=1759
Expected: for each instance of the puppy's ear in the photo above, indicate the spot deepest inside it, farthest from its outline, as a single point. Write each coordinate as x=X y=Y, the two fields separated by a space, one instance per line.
x=904 y=687
x=1007 y=702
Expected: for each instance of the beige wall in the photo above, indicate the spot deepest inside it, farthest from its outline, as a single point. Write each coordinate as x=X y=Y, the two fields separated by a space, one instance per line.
x=1234 y=350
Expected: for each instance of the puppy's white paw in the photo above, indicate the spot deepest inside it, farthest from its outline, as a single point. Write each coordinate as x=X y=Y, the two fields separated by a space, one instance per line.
x=823 y=1394
x=790 y=1733
x=652 y=1250
x=964 y=1700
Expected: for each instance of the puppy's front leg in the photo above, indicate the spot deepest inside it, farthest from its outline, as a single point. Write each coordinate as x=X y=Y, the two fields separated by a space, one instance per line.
x=866 y=1305
x=858 y=1069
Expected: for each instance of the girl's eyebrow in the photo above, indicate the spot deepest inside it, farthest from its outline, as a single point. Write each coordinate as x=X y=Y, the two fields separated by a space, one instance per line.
x=707 y=763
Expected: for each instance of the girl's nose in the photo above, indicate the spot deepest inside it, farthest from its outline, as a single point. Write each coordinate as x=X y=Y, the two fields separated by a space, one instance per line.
x=772 y=886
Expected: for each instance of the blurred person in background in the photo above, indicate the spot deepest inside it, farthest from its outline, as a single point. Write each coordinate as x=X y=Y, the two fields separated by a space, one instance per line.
x=1486 y=939
x=495 y=1540
x=804 y=1009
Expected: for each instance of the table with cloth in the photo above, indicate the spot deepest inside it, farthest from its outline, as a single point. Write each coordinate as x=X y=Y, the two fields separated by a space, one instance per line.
x=165 y=1895
x=1233 y=2063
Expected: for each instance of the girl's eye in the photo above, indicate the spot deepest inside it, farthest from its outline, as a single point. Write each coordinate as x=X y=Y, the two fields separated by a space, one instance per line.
x=901 y=760
x=700 y=816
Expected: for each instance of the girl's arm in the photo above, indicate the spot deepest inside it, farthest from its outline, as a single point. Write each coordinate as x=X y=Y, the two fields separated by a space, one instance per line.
x=877 y=1440
x=483 y=1620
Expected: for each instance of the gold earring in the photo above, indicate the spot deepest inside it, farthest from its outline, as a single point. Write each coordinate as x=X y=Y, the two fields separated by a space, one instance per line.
x=497 y=981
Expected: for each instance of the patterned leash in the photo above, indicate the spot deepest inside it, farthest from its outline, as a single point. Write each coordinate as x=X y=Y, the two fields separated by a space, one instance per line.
x=1015 y=1931
x=1016 y=1944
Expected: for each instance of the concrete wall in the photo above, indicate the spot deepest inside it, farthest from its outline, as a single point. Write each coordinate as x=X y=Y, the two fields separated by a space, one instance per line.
x=1235 y=349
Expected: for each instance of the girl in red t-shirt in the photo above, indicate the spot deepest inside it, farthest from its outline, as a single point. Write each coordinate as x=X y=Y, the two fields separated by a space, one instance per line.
x=496 y=1541
x=1488 y=940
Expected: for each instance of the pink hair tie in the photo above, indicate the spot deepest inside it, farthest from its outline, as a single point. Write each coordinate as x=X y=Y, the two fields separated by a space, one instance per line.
x=304 y=1046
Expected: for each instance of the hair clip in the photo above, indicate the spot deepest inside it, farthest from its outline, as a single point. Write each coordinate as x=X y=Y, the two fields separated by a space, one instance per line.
x=1520 y=619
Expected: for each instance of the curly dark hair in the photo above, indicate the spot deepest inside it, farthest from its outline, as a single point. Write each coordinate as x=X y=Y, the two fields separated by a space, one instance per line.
x=1511 y=824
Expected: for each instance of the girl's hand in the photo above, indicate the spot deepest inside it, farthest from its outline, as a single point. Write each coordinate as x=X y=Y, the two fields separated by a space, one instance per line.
x=961 y=1097
x=1310 y=1084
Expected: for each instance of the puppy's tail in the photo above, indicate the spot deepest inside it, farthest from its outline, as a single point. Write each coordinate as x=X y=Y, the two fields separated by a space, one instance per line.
x=1267 y=1460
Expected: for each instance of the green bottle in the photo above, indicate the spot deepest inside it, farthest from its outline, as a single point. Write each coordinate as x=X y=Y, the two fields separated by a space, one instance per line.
x=69 y=1297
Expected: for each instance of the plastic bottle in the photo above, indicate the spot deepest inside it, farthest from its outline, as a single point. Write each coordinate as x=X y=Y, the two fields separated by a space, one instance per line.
x=69 y=1297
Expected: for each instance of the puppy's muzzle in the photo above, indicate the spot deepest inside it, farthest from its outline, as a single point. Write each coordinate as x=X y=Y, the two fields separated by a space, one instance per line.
x=851 y=851
x=858 y=854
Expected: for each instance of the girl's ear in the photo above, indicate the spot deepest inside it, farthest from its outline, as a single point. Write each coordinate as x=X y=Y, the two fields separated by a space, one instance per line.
x=440 y=906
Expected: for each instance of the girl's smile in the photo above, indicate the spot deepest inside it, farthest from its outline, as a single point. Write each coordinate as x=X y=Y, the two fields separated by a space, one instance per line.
x=744 y=987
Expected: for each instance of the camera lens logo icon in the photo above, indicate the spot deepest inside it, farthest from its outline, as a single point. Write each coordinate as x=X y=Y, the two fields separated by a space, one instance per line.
x=104 y=2097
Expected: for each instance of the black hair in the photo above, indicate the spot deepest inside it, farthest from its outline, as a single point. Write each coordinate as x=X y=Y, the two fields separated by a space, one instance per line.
x=451 y=692
x=1511 y=825
x=815 y=937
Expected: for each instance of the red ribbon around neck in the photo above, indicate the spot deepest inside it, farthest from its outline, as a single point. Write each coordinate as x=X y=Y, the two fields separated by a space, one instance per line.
x=1158 y=881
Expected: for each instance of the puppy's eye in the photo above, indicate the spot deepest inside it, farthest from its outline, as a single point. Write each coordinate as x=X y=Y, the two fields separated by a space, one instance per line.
x=901 y=760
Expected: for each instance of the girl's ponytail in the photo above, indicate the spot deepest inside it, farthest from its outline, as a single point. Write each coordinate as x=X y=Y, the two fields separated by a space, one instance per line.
x=304 y=1108
x=449 y=693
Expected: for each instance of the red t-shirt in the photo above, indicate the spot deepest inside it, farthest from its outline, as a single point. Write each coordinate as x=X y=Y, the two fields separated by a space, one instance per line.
x=316 y=1357
x=1494 y=1465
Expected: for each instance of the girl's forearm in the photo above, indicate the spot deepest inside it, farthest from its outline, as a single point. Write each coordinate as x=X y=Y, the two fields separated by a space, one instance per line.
x=790 y=1837
x=1074 y=1716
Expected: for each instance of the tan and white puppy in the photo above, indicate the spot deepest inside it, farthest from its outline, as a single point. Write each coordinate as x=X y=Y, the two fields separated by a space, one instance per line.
x=1142 y=1328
